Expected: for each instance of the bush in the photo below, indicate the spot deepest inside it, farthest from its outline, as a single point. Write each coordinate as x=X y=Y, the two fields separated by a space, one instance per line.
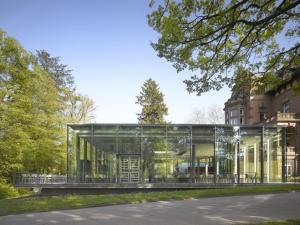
x=7 y=191
x=24 y=191
x=293 y=179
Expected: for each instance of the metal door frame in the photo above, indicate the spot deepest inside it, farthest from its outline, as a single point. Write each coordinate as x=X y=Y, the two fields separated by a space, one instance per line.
x=119 y=156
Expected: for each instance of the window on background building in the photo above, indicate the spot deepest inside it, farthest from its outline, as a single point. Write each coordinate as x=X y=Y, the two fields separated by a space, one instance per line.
x=226 y=117
x=262 y=113
x=234 y=113
x=234 y=121
x=262 y=116
x=241 y=111
x=286 y=107
x=241 y=120
x=289 y=167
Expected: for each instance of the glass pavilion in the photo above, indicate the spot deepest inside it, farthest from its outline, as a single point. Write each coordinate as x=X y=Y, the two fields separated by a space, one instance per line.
x=175 y=153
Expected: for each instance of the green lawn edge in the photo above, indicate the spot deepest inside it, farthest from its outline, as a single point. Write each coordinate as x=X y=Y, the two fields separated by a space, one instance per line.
x=40 y=204
x=281 y=222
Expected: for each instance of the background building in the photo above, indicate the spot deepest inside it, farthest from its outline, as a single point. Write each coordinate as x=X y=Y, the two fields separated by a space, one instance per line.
x=278 y=106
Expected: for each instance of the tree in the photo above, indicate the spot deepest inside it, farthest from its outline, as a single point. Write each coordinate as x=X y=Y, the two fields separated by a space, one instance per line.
x=154 y=110
x=30 y=123
x=198 y=116
x=216 y=37
x=59 y=72
x=45 y=127
x=79 y=108
x=151 y=100
x=215 y=115
x=13 y=73
x=212 y=115
x=34 y=94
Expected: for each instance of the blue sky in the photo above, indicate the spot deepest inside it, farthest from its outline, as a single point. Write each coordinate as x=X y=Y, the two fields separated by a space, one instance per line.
x=107 y=45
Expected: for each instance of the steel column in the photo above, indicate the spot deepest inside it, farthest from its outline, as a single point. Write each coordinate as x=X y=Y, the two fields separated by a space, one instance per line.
x=78 y=158
x=262 y=172
x=283 y=148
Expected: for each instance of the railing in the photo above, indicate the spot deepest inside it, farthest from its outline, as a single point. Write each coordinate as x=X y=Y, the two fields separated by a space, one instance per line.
x=286 y=116
x=45 y=179
x=290 y=150
x=38 y=179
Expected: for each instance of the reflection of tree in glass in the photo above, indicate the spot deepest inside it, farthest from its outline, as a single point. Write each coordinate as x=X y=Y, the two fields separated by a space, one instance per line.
x=226 y=140
x=154 y=154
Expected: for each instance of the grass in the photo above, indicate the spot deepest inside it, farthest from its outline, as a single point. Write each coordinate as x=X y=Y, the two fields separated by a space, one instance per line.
x=37 y=204
x=285 y=222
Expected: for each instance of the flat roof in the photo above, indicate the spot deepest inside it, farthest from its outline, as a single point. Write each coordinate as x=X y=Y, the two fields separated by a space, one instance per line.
x=174 y=124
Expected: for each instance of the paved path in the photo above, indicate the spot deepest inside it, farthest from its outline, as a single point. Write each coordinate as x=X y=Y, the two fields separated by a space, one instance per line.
x=220 y=210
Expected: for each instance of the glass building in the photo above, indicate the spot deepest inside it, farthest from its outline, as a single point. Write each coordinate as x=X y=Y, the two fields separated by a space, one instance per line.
x=175 y=153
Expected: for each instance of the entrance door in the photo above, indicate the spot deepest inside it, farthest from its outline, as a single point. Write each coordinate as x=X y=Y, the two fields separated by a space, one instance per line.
x=129 y=168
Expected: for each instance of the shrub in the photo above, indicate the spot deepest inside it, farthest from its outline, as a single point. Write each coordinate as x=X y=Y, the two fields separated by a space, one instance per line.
x=7 y=191
x=24 y=191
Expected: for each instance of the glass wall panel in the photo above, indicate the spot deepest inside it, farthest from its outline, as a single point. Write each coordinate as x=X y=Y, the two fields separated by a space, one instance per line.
x=227 y=138
x=129 y=140
x=250 y=154
x=71 y=151
x=79 y=161
x=154 y=150
x=203 y=145
x=178 y=154
x=129 y=154
x=272 y=154
x=106 y=148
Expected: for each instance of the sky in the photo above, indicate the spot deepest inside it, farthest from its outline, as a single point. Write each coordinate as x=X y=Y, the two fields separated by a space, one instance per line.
x=107 y=46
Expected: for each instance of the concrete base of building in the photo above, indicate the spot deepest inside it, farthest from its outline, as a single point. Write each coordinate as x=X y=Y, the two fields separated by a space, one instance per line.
x=91 y=189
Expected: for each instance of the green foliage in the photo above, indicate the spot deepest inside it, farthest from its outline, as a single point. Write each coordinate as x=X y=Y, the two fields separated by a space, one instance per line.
x=7 y=191
x=154 y=110
x=217 y=37
x=24 y=191
x=14 y=103
x=79 y=108
x=35 y=94
x=32 y=133
x=281 y=222
x=76 y=108
x=31 y=125
x=151 y=100
x=58 y=71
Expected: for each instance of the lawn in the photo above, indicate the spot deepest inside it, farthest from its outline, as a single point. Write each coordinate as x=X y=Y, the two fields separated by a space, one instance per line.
x=37 y=204
x=286 y=222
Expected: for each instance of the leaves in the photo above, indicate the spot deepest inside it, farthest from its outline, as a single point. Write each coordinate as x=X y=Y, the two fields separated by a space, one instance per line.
x=35 y=92
x=31 y=124
x=215 y=38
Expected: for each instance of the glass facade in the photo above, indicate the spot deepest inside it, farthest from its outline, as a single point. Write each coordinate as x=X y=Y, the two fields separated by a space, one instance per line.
x=182 y=153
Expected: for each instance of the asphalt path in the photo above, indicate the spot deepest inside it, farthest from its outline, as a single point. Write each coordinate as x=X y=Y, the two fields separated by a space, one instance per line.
x=205 y=211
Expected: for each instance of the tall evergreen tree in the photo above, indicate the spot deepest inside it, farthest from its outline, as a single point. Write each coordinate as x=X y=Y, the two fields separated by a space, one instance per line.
x=154 y=110
x=59 y=72
x=76 y=108
x=151 y=100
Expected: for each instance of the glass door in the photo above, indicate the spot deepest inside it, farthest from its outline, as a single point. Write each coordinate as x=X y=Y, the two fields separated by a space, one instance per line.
x=129 y=168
